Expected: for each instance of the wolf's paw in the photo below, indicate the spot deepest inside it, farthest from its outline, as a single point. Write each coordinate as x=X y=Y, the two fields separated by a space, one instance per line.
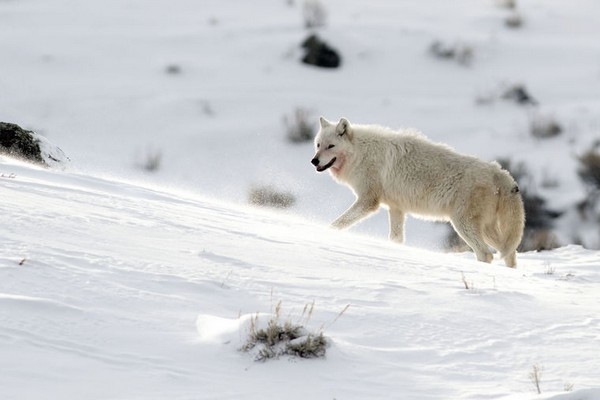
x=338 y=225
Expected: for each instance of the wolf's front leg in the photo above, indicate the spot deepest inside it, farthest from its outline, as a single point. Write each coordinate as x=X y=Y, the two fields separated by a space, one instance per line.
x=361 y=208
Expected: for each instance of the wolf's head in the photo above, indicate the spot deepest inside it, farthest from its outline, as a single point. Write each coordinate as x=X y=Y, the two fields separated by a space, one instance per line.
x=332 y=145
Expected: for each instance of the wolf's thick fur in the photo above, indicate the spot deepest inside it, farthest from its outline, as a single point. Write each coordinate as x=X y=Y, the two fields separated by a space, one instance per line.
x=410 y=174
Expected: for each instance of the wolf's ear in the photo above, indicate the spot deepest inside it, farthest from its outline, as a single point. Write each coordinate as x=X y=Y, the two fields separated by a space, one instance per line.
x=324 y=123
x=343 y=128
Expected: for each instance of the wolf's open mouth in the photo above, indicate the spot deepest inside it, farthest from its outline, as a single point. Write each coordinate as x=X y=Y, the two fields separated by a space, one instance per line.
x=324 y=167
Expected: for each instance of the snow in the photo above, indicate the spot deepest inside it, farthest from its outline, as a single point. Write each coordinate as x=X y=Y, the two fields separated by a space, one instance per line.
x=119 y=284
x=92 y=78
x=114 y=290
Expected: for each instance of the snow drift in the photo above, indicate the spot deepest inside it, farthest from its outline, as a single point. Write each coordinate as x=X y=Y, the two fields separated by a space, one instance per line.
x=113 y=290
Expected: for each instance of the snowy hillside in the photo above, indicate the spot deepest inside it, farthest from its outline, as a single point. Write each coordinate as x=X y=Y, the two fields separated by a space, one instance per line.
x=120 y=283
x=111 y=290
x=204 y=87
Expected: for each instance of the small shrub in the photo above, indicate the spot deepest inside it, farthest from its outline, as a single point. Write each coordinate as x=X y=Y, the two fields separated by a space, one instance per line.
x=544 y=127
x=268 y=196
x=514 y=92
x=315 y=15
x=299 y=126
x=568 y=386
x=514 y=21
x=468 y=285
x=442 y=50
x=508 y=4
x=536 y=377
x=589 y=172
x=589 y=168
x=549 y=269
x=206 y=108
x=173 y=69
x=539 y=240
x=519 y=94
x=461 y=53
x=152 y=161
x=279 y=338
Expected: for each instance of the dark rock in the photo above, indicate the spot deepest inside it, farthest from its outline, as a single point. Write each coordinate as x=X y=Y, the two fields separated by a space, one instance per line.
x=519 y=94
x=29 y=146
x=442 y=50
x=319 y=53
x=460 y=52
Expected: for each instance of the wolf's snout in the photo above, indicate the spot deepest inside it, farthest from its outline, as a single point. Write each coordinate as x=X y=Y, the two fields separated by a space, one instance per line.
x=314 y=161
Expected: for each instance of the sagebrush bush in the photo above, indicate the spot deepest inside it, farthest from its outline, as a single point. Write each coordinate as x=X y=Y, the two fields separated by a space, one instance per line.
x=151 y=161
x=518 y=93
x=299 y=126
x=508 y=4
x=589 y=172
x=544 y=126
x=315 y=15
x=536 y=377
x=460 y=52
x=589 y=168
x=514 y=20
x=269 y=196
x=173 y=69
x=285 y=338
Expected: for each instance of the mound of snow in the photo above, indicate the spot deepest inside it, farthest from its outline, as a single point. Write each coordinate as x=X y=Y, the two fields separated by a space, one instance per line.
x=153 y=290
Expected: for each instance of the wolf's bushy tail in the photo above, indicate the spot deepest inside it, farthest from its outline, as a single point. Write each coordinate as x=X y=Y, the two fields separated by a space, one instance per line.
x=511 y=221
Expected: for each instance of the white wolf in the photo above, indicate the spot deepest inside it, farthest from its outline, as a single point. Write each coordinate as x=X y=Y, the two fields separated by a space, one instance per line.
x=410 y=174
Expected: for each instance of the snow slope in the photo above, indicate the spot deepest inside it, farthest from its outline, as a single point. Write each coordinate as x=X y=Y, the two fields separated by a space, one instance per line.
x=112 y=290
x=91 y=76
x=118 y=285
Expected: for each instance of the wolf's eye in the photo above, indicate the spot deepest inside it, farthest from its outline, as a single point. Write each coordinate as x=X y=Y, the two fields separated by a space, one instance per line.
x=331 y=146
x=318 y=145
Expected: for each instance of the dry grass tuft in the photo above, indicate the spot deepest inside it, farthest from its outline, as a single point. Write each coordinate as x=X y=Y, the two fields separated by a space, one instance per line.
x=286 y=338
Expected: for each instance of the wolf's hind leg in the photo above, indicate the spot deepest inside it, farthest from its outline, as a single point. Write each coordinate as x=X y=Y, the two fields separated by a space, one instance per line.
x=471 y=234
x=397 y=218
x=510 y=259
x=507 y=251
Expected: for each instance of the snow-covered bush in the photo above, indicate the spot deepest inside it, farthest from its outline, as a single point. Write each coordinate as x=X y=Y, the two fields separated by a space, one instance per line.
x=544 y=126
x=535 y=376
x=460 y=52
x=589 y=172
x=589 y=168
x=269 y=196
x=173 y=69
x=315 y=15
x=299 y=126
x=514 y=20
x=150 y=161
x=518 y=93
x=508 y=4
x=274 y=338
x=514 y=92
